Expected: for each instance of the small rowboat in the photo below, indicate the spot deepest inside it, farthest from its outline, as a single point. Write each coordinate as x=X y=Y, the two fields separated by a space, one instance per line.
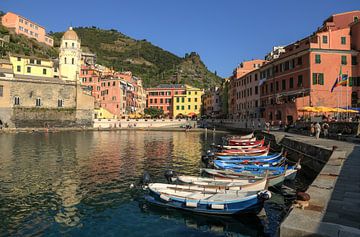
x=243 y=152
x=254 y=166
x=257 y=160
x=227 y=184
x=257 y=153
x=208 y=184
x=275 y=178
x=231 y=202
x=236 y=157
x=246 y=143
x=243 y=137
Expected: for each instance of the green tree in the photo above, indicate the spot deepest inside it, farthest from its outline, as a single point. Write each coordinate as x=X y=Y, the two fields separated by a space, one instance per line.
x=154 y=112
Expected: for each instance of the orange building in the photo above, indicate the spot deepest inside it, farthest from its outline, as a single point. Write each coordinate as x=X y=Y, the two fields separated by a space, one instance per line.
x=162 y=96
x=26 y=27
x=304 y=74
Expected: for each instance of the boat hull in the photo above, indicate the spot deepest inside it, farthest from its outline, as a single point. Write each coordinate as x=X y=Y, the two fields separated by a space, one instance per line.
x=252 y=206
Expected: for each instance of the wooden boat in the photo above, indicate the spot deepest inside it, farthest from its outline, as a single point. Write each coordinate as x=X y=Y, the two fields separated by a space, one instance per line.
x=240 y=167
x=246 y=143
x=275 y=178
x=243 y=137
x=237 y=157
x=257 y=153
x=252 y=160
x=244 y=152
x=208 y=184
x=231 y=202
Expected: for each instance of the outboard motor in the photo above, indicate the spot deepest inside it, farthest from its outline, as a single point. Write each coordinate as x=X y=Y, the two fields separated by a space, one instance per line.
x=145 y=179
x=170 y=176
x=205 y=159
x=264 y=195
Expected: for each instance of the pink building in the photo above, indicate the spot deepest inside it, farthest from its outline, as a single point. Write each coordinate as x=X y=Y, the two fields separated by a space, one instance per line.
x=238 y=83
x=26 y=27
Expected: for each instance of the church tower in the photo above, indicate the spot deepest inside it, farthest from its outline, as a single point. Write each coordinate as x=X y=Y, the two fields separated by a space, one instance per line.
x=70 y=56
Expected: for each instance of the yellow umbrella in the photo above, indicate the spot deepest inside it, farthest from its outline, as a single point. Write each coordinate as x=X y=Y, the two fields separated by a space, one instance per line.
x=307 y=109
x=323 y=109
x=352 y=111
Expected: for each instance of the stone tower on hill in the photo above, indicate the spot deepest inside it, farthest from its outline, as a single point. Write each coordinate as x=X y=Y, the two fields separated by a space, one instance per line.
x=70 y=56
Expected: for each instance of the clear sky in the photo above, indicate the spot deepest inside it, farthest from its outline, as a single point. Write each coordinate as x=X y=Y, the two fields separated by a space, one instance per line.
x=223 y=32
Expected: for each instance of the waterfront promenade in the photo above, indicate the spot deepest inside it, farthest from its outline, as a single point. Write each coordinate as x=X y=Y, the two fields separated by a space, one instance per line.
x=334 y=207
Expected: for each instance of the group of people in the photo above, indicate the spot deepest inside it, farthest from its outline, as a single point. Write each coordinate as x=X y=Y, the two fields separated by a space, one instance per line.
x=316 y=128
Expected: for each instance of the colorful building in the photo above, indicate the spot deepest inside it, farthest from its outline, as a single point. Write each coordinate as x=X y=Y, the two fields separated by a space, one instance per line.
x=304 y=74
x=161 y=97
x=188 y=103
x=21 y=25
x=247 y=96
x=239 y=87
x=32 y=66
x=211 y=102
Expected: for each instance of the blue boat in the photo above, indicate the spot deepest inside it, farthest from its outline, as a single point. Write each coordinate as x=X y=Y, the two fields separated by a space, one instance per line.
x=228 y=202
x=275 y=158
x=239 y=168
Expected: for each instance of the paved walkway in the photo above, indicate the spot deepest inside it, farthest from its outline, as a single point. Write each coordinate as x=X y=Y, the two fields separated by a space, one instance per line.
x=344 y=202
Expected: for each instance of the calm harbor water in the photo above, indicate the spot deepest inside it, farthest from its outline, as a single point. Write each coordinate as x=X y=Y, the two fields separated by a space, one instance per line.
x=77 y=184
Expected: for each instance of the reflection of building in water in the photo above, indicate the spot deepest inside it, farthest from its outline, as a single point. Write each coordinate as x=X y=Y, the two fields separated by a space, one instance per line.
x=67 y=184
x=67 y=189
x=188 y=146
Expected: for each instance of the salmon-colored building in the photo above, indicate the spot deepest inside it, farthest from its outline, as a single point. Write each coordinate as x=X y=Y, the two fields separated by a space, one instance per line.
x=304 y=74
x=26 y=27
x=239 y=87
x=161 y=97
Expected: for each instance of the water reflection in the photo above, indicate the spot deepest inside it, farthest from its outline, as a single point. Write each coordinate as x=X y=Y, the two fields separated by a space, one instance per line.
x=66 y=183
x=246 y=225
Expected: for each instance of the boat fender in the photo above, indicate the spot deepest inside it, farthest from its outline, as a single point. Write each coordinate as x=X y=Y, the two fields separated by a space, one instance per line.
x=302 y=196
x=169 y=175
x=165 y=198
x=298 y=167
x=264 y=195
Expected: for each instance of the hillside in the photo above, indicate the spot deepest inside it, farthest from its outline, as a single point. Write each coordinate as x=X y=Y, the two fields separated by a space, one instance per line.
x=153 y=64
x=19 y=44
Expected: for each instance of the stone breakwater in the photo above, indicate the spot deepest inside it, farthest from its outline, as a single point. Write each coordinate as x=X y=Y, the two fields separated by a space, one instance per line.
x=334 y=207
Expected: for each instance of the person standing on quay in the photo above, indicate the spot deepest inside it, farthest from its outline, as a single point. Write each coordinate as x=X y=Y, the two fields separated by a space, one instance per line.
x=312 y=129
x=317 y=130
x=325 y=128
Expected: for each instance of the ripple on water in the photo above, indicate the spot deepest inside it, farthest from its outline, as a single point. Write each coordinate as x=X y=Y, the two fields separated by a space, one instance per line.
x=77 y=184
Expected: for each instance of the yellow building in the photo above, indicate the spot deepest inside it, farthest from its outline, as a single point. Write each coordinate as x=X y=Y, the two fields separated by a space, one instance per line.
x=102 y=113
x=189 y=103
x=31 y=66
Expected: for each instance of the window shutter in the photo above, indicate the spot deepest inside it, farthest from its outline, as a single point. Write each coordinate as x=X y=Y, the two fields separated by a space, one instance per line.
x=314 y=78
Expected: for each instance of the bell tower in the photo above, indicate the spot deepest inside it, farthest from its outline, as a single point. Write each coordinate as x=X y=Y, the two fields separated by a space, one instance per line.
x=70 y=56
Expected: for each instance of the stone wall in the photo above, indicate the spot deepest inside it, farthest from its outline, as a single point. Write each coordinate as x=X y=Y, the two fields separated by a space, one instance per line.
x=77 y=109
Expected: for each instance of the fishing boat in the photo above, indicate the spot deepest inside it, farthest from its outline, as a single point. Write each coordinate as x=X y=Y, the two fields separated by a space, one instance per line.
x=229 y=202
x=243 y=137
x=242 y=142
x=245 y=145
x=208 y=184
x=251 y=160
x=240 y=167
x=237 y=157
x=243 y=152
x=275 y=177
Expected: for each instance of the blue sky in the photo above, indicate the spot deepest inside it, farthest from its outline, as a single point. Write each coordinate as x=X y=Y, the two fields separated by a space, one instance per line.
x=223 y=32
